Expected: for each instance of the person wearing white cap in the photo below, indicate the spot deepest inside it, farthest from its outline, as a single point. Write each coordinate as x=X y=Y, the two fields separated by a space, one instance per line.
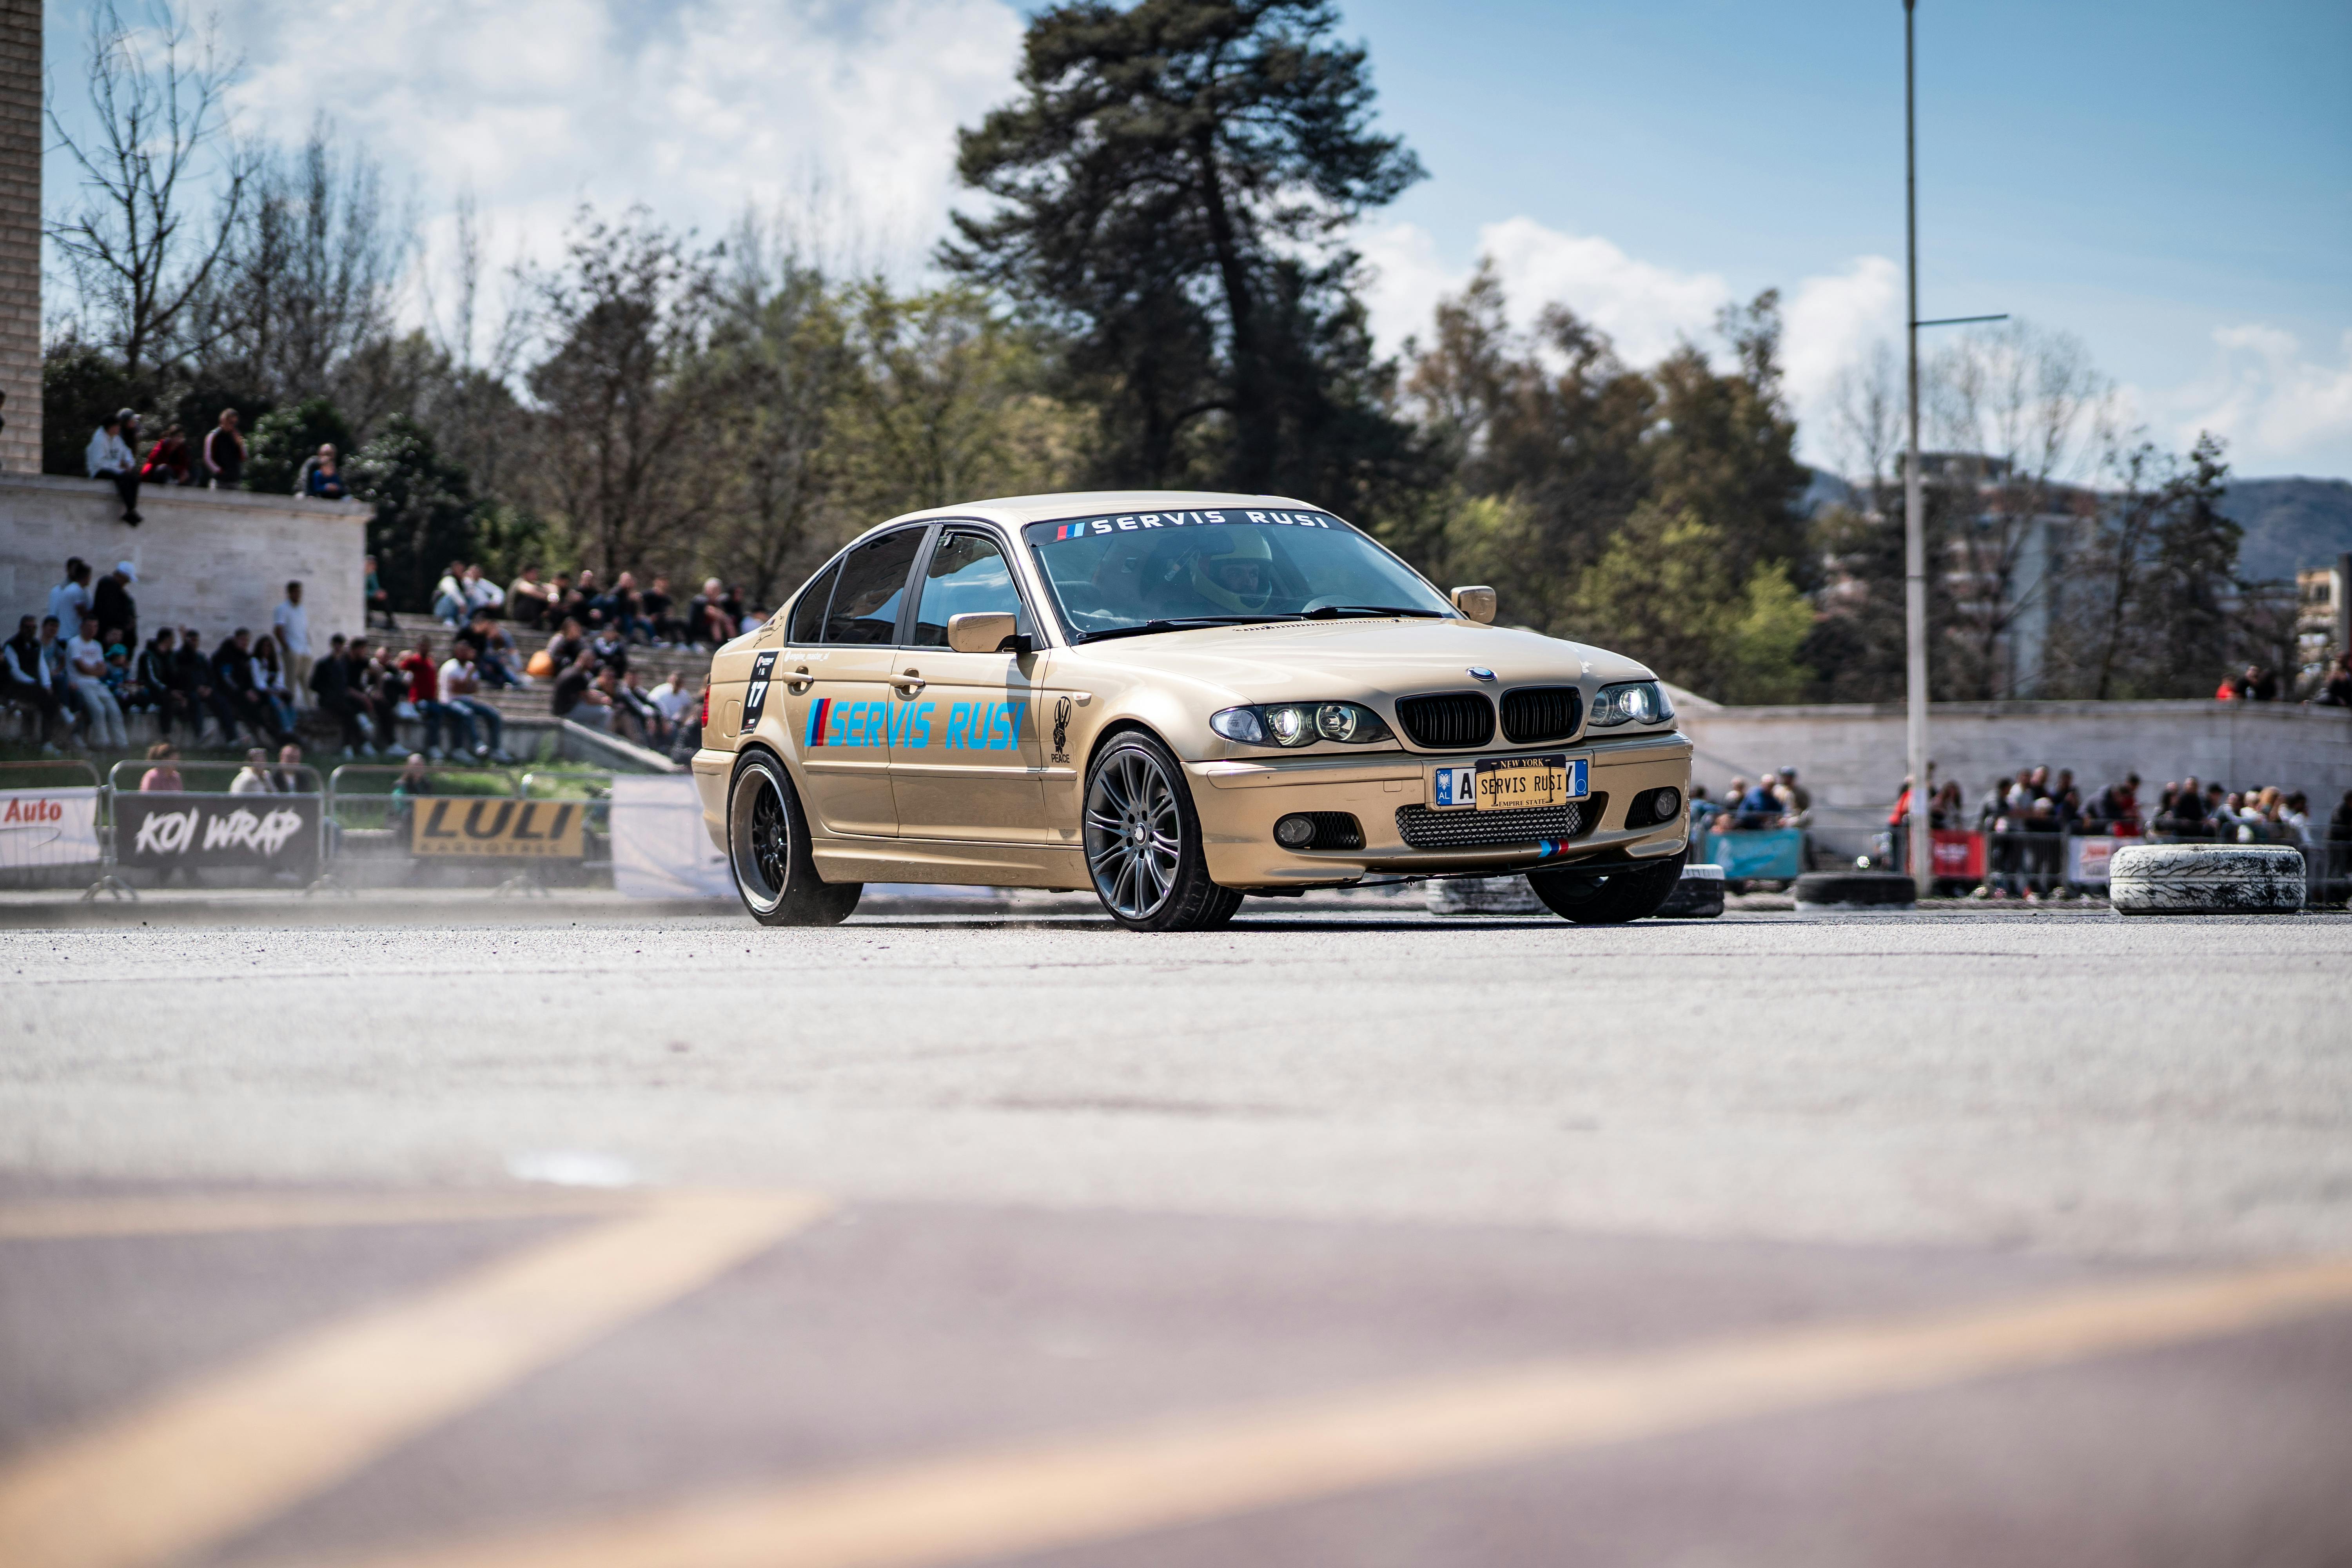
x=117 y=611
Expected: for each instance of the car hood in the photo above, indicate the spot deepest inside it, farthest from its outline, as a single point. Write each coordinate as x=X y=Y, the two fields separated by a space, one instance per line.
x=1335 y=660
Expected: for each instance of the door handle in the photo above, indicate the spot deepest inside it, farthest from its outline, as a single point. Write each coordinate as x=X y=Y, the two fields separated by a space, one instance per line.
x=800 y=681
x=909 y=683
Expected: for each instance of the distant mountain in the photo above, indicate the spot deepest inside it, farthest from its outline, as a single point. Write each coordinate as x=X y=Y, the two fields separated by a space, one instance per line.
x=2289 y=523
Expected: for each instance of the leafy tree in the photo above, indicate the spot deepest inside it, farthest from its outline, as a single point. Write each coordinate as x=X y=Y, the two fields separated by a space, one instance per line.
x=82 y=386
x=1722 y=445
x=425 y=509
x=282 y=440
x=622 y=466
x=1667 y=592
x=1170 y=191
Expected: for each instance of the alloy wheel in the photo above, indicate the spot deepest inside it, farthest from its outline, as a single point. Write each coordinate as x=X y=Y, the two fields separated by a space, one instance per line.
x=1134 y=843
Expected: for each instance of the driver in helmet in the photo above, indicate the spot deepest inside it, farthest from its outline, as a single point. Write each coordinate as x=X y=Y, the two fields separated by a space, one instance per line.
x=1235 y=569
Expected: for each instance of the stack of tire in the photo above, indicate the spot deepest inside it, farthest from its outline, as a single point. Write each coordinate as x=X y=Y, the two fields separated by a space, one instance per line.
x=2206 y=879
x=1482 y=896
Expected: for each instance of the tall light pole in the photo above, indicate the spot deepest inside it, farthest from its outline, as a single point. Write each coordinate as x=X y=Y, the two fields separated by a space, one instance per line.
x=1914 y=542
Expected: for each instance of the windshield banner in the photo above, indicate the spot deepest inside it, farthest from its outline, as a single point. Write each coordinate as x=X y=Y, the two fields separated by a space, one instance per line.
x=1215 y=517
x=48 y=826
x=157 y=829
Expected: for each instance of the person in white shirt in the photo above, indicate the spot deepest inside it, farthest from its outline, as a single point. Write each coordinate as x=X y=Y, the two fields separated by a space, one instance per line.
x=86 y=666
x=461 y=688
x=69 y=601
x=254 y=777
x=678 y=700
x=481 y=594
x=449 y=597
x=292 y=623
x=110 y=458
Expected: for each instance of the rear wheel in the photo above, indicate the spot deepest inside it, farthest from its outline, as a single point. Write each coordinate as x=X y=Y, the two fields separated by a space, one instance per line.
x=1143 y=842
x=1608 y=897
x=768 y=849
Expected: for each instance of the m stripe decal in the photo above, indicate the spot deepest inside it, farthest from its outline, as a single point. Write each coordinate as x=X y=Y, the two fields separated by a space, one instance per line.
x=817 y=711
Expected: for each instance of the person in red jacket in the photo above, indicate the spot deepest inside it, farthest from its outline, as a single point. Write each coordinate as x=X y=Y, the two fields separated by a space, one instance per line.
x=424 y=672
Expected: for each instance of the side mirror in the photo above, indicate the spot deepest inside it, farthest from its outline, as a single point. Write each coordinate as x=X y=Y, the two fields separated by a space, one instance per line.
x=1478 y=604
x=987 y=632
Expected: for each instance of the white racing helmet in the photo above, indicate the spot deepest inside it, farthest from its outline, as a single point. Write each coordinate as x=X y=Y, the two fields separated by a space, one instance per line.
x=1236 y=571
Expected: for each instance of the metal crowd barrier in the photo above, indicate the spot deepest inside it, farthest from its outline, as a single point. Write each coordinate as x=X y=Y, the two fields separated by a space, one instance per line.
x=167 y=840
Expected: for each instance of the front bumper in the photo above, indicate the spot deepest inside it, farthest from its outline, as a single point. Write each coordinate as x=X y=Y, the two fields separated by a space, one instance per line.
x=1239 y=802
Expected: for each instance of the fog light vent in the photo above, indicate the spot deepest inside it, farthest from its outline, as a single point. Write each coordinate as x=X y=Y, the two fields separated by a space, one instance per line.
x=1319 y=830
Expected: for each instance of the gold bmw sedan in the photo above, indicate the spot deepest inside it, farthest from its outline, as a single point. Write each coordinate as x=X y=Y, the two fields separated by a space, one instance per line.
x=1178 y=699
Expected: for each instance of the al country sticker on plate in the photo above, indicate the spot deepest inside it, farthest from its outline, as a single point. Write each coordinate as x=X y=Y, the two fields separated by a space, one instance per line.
x=1510 y=783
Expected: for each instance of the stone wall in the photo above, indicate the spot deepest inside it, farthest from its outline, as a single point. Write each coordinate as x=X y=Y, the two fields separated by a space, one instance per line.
x=215 y=560
x=20 y=236
x=1852 y=757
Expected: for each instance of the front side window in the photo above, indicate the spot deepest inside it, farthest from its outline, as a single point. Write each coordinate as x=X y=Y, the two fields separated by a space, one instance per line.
x=808 y=610
x=1128 y=573
x=872 y=586
x=968 y=577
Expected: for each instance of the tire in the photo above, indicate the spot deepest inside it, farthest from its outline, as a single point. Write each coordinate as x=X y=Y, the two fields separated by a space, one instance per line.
x=1875 y=889
x=768 y=851
x=2206 y=879
x=1611 y=898
x=1143 y=841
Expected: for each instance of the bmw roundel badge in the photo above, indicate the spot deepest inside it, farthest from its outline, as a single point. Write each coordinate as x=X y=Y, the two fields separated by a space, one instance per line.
x=1479 y=672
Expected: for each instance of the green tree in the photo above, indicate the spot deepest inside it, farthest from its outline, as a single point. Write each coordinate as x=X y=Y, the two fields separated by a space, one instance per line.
x=81 y=388
x=1668 y=592
x=1723 y=444
x=285 y=438
x=1169 y=190
x=425 y=509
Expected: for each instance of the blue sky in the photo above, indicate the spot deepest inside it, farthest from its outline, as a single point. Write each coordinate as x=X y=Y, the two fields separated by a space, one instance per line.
x=2172 y=183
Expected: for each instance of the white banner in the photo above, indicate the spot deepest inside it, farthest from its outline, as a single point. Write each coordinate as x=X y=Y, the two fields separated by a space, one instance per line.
x=48 y=826
x=2091 y=857
x=659 y=847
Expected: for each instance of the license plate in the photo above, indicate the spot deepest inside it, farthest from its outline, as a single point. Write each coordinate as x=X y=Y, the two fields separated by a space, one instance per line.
x=1510 y=783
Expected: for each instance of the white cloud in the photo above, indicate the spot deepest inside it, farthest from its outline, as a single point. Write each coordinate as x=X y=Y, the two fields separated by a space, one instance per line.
x=1830 y=320
x=2277 y=409
x=693 y=107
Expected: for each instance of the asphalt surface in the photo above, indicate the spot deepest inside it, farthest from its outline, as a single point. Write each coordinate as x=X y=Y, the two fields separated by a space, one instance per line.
x=1346 y=1235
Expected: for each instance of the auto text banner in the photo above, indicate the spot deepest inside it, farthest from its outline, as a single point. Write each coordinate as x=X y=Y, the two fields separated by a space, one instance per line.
x=278 y=831
x=487 y=824
x=48 y=826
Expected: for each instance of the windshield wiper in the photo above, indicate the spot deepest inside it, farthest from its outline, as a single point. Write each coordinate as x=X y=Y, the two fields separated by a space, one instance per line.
x=1178 y=624
x=1333 y=612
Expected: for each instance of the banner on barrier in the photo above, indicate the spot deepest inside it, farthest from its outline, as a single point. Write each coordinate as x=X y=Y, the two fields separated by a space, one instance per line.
x=1956 y=856
x=487 y=824
x=1770 y=854
x=2088 y=860
x=276 y=831
x=48 y=827
x=660 y=849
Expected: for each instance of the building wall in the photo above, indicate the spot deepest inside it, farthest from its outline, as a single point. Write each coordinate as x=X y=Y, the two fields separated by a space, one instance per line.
x=1851 y=757
x=212 y=560
x=20 y=235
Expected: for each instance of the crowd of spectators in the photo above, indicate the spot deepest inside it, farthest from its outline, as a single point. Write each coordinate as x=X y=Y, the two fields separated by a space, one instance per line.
x=217 y=462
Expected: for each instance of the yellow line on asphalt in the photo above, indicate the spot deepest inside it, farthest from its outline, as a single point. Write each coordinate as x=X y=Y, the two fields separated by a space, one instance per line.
x=245 y=1443
x=988 y=1504
x=46 y=1219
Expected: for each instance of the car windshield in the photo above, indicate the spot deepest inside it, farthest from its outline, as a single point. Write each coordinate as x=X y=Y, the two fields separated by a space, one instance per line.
x=1121 y=573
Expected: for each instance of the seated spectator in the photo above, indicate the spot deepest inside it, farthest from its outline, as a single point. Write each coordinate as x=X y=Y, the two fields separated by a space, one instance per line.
x=563 y=600
x=422 y=694
x=254 y=777
x=269 y=680
x=612 y=649
x=109 y=458
x=2337 y=690
x=708 y=623
x=2261 y=684
x=630 y=697
x=528 y=599
x=585 y=591
x=26 y=683
x=320 y=479
x=162 y=775
x=192 y=676
x=659 y=611
x=379 y=601
x=564 y=648
x=494 y=652
x=1761 y=806
x=85 y=673
x=579 y=697
x=481 y=594
x=330 y=683
x=289 y=776
x=169 y=461
x=461 y=691
x=237 y=692
x=128 y=696
x=679 y=699
x=223 y=453
x=449 y=597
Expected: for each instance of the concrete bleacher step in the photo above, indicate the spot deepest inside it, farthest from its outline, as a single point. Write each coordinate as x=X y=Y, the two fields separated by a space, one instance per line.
x=657 y=663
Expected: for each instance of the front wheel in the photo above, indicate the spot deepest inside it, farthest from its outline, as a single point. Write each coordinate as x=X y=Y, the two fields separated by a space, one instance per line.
x=1611 y=898
x=768 y=849
x=1143 y=842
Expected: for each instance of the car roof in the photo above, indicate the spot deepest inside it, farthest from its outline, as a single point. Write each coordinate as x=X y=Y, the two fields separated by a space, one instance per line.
x=1018 y=510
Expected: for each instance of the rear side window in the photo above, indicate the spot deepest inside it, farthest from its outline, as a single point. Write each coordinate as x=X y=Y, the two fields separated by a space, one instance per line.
x=968 y=575
x=808 y=611
x=873 y=584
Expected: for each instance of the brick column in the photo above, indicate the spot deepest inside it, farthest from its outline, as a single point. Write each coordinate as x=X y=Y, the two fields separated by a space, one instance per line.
x=20 y=235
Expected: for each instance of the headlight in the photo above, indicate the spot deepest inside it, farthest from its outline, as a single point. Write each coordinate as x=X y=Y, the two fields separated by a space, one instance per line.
x=1301 y=724
x=1629 y=703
